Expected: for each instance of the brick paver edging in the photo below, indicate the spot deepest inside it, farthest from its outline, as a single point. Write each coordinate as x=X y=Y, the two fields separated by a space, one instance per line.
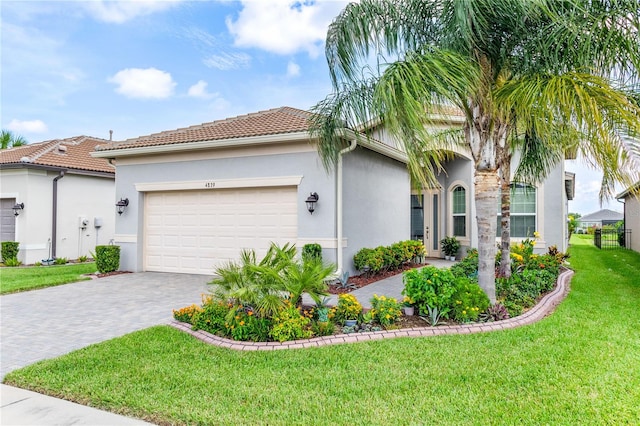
x=546 y=305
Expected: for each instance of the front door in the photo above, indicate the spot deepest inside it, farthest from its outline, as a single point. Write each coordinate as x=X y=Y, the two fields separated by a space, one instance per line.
x=426 y=220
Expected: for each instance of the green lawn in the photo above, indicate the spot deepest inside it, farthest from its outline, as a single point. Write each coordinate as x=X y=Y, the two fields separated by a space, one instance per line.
x=578 y=366
x=581 y=240
x=30 y=278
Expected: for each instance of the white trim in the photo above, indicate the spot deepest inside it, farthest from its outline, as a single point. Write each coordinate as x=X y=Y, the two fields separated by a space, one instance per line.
x=188 y=146
x=325 y=243
x=125 y=238
x=222 y=153
x=42 y=246
x=15 y=195
x=211 y=184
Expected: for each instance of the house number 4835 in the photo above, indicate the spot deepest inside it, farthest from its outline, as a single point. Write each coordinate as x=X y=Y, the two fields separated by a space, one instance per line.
x=210 y=185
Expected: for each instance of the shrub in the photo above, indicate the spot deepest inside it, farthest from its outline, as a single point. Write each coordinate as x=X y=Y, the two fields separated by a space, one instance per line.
x=387 y=257
x=468 y=266
x=469 y=301
x=311 y=251
x=186 y=314
x=82 y=259
x=9 y=250
x=212 y=316
x=416 y=247
x=348 y=308
x=60 y=261
x=322 y=328
x=430 y=287
x=520 y=291
x=242 y=323
x=107 y=258
x=289 y=324
x=12 y=262
x=384 y=310
x=368 y=260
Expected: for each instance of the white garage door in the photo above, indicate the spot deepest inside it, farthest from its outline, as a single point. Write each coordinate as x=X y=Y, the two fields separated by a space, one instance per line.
x=196 y=231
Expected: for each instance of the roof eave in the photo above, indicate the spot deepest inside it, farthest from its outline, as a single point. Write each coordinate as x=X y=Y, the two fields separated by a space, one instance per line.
x=199 y=145
x=628 y=191
x=69 y=170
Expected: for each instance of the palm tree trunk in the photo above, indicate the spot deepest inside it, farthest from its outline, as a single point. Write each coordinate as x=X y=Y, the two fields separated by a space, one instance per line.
x=486 y=192
x=505 y=221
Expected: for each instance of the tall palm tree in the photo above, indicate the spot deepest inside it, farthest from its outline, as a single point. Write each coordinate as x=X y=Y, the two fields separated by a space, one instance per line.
x=9 y=140
x=545 y=72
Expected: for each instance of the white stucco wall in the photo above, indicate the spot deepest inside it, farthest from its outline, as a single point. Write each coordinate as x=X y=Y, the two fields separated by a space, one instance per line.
x=77 y=195
x=632 y=218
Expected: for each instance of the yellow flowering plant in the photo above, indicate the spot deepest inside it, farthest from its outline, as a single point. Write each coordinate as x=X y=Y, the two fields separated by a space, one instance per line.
x=385 y=310
x=348 y=308
x=469 y=301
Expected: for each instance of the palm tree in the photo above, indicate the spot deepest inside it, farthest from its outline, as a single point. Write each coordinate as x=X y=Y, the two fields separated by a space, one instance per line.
x=9 y=140
x=546 y=73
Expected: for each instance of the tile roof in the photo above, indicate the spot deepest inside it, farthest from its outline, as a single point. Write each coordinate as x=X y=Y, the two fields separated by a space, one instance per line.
x=270 y=122
x=71 y=153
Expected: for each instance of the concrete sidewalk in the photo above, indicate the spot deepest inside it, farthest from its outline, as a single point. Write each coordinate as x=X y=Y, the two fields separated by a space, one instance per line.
x=23 y=407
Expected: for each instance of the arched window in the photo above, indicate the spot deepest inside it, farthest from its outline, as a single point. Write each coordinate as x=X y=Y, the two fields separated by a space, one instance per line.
x=459 y=211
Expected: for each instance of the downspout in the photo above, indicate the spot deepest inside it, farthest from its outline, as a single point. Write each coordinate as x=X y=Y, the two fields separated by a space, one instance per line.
x=54 y=220
x=624 y=221
x=339 y=232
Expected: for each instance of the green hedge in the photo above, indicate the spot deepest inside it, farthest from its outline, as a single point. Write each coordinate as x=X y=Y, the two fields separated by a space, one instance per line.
x=384 y=258
x=311 y=251
x=9 y=250
x=107 y=258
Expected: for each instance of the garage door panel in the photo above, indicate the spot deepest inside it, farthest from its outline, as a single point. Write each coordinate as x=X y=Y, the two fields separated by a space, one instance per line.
x=197 y=231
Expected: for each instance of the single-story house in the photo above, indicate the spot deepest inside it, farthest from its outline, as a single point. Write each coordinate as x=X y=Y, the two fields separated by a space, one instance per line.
x=56 y=200
x=631 y=199
x=198 y=195
x=599 y=219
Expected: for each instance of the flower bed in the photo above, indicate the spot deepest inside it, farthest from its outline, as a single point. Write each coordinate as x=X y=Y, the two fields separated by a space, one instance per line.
x=261 y=301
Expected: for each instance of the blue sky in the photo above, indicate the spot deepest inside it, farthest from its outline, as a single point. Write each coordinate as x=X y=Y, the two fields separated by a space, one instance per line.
x=139 y=67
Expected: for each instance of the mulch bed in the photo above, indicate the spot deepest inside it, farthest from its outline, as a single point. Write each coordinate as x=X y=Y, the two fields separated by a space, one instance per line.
x=359 y=281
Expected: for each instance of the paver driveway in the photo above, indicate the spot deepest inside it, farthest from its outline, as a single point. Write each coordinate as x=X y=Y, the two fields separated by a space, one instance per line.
x=42 y=324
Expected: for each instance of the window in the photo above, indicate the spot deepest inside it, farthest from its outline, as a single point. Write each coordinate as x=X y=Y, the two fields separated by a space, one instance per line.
x=459 y=211
x=523 y=211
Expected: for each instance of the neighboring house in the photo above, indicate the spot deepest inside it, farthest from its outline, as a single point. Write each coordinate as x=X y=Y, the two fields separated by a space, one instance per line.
x=67 y=197
x=631 y=199
x=599 y=219
x=199 y=195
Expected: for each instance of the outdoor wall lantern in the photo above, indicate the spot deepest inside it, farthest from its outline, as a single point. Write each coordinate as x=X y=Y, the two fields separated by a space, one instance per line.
x=312 y=199
x=17 y=208
x=121 y=205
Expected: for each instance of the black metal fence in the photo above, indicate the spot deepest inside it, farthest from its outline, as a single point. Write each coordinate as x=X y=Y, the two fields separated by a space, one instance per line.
x=608 y=239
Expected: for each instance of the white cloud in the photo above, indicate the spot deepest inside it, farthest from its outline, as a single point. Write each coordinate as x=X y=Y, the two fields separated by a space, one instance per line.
x=27 y=126
x=199 y=90
x=149 y=83
x=283 y=26
x=293 y=69
x=216 y=53
x=228 y=61
x=118 y=12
